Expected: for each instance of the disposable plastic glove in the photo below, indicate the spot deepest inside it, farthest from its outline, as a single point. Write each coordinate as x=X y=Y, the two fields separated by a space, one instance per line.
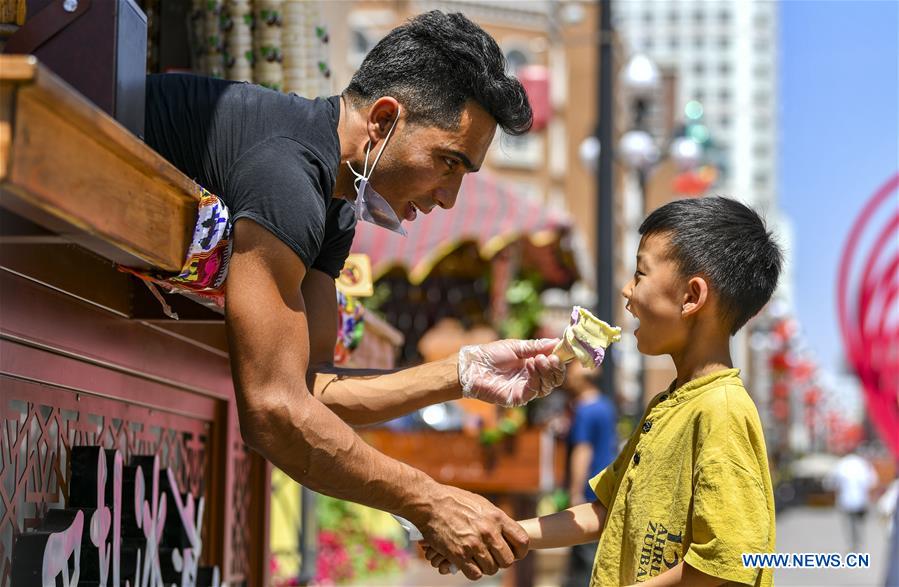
x=510 y=372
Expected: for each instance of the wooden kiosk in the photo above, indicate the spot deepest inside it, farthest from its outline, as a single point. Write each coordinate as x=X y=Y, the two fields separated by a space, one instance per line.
x=115 y=415
x=88 y=360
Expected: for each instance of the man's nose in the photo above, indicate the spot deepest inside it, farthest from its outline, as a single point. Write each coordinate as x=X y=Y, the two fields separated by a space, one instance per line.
x=446 y=196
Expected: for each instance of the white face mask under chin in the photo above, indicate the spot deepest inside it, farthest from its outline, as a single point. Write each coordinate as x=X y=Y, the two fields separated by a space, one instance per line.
x=370 y=205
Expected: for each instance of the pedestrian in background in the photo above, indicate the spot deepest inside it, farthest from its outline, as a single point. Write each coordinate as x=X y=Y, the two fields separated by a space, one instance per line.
x=593 y=445
x=853 y=479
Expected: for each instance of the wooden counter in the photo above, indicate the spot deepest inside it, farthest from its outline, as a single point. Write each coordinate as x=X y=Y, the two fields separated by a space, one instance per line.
x=70 y=168
x=87 y=359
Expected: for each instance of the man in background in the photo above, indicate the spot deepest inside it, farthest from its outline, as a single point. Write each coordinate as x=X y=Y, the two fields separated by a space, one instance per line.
x=593 y=444
x=853 y=479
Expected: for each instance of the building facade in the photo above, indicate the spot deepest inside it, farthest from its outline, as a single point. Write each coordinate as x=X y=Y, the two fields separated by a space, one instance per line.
x=724 y=53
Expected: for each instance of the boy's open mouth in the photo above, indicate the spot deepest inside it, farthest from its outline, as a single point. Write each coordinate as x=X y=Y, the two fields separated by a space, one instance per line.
x=631 y=310
x=634 y=314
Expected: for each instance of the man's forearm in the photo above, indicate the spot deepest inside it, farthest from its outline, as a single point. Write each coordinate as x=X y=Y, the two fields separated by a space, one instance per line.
x=361 y=396
x=576 y=525
x=315 y=447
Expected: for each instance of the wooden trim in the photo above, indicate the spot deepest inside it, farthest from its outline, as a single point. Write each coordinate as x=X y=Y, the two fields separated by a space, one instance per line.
x=217 y=517
x=260 y=480
x=7 y=100
x=18 y=68
x=211 y=337
x=70 y=182
x=70 y=168
x=40 y=364
x=70 y=270
x=149 y=377
x=91 y=393
x=41 y=318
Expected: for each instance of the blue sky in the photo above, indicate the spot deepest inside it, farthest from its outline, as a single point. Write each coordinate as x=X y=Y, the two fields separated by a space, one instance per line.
x=839 y=139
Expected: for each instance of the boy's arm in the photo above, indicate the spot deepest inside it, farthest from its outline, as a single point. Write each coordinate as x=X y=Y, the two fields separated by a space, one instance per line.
x=576 y=525
x=581 y=455
x=683 y=574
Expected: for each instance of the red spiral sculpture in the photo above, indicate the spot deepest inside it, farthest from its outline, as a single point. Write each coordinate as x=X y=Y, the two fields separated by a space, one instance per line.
x=867 y=291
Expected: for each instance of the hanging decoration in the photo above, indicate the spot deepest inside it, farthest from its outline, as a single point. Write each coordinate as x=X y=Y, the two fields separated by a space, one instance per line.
x=867 y=297
x=350 y=327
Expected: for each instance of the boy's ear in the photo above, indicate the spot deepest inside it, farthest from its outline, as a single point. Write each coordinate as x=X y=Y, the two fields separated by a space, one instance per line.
x=695 y=297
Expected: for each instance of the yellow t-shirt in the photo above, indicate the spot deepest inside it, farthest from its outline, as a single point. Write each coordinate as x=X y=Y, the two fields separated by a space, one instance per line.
x=692 y=484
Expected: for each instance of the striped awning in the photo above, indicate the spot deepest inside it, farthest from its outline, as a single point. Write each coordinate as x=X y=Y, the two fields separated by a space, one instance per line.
x=487 y=213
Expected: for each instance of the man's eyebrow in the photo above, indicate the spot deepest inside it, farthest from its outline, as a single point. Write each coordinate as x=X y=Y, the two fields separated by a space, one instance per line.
x=464 y=159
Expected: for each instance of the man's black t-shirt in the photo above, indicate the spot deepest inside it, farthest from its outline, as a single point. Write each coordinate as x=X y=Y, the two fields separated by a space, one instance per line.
x=270 y=156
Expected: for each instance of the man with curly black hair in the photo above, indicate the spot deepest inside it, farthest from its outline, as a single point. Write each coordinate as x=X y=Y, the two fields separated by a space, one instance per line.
x=296 y=175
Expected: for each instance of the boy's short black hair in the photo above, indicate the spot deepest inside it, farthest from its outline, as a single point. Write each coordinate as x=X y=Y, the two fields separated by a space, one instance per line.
x=726 y=242
x=433 y=64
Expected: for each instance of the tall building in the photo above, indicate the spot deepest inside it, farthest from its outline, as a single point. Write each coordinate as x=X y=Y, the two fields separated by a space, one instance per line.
x=724 y=53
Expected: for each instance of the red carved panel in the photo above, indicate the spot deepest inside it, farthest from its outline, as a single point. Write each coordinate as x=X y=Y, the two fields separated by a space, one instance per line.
x=240 y=510
x=42 y=422
x=73 y=374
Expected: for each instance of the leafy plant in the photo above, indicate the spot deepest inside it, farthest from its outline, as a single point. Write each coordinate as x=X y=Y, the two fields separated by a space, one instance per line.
x=524 y=307
x=508 y=425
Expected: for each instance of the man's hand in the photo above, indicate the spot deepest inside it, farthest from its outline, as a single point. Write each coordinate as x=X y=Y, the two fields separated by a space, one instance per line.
x=437 y=560
x=471 y=533
x=510 y=372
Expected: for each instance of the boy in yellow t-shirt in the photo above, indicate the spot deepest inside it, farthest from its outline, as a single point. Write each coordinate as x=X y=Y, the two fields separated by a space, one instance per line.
x=691 y=490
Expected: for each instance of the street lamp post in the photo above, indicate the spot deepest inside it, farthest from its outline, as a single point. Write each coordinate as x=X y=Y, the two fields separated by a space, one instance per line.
x=604 y=220
x=639 y=152
x=638 y=148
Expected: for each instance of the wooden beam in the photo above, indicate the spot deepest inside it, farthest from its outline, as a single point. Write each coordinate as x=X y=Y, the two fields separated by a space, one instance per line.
x=210 y=336
x=16 y=230
x=70 y=168
x=7 y=98
x=72 y=271
x=21 y=68
x=82 y=275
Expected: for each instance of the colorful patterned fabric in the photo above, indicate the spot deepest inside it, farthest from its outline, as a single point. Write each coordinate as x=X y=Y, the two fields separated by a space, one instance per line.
x=206 y=265
x=350 y=326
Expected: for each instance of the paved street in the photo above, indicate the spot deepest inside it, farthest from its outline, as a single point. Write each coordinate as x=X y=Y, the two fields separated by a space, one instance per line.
x=823 y=530
x=798 y=530
x=420 y=574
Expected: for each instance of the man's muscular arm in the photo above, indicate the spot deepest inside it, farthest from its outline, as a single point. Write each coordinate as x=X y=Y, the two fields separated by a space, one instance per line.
x=280 y=419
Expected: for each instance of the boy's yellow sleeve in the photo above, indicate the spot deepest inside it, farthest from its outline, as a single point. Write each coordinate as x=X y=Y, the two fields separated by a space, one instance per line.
x=730 y=517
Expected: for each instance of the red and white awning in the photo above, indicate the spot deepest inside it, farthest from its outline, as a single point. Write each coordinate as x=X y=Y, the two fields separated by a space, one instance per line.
x=487 y=213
